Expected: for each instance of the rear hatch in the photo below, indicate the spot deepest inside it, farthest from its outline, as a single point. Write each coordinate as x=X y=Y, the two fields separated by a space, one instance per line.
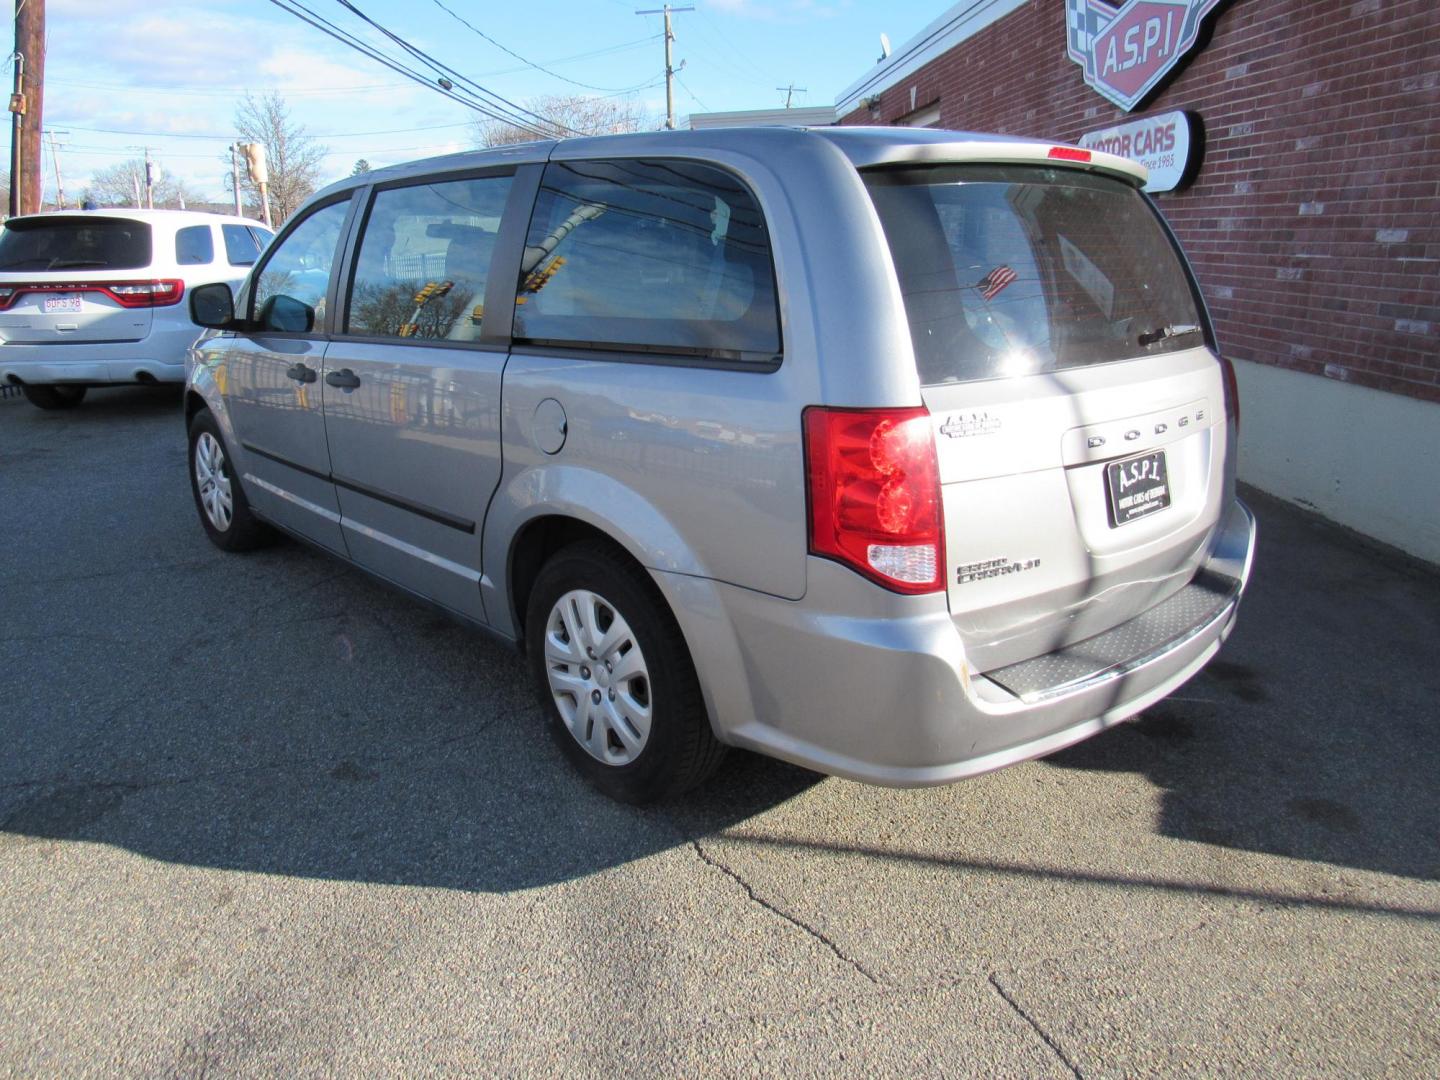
x=1078 y=408
x=68 y=278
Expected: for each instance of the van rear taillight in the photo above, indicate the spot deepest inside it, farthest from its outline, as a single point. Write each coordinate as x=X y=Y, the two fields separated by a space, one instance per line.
x=874 y=487
x=1232 y=391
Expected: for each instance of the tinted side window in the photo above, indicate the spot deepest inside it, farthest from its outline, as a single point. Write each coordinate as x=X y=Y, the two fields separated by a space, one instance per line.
x=299 y=269
x=661 y=254
x=424 y=259
x=240 y=246
x=194 y=245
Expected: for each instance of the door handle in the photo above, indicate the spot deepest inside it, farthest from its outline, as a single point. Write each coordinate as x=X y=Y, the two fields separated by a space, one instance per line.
x=345 y=379
x=300 y=373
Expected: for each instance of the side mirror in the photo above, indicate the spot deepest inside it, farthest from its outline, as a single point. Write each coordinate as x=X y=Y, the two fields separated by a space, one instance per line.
x=285 y=315
x=212 y=306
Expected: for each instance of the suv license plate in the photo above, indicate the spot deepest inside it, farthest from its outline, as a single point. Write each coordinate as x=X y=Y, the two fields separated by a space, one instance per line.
x=1138 y=487
x=61 y=304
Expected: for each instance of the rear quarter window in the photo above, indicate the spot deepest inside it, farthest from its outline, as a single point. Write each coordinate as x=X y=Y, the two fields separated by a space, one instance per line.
x=241 y=247
x=648 y=254
x=194 y=245
x=74 y=243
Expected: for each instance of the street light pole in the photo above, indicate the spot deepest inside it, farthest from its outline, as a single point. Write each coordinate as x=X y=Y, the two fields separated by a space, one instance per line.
x=55 y=160
x=235 y=176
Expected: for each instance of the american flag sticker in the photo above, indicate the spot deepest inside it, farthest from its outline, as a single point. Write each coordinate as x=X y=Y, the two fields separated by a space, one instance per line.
x=991 y=284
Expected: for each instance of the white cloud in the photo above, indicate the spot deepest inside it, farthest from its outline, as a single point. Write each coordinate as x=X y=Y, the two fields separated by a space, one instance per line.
x=180 y=69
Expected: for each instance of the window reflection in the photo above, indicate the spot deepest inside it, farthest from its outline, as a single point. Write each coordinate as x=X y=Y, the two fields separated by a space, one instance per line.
x=300 y=266
x=662 y=254
x=425 y=258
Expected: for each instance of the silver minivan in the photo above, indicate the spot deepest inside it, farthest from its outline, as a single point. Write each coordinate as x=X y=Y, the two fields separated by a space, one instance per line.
x=902 y=455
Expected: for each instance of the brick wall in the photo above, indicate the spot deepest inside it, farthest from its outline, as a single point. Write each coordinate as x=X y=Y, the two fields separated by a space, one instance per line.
x=1314 y=224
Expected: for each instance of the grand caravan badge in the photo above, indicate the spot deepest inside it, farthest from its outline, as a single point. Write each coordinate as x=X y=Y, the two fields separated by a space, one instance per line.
x=1128 y=48
x=963 y=425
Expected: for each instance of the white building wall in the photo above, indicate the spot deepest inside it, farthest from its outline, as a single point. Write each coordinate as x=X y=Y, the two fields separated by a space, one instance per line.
x=1363 y=458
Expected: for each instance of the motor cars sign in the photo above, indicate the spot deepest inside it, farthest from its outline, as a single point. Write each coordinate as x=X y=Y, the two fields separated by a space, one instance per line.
x=1164 y=144
x=1128 y=49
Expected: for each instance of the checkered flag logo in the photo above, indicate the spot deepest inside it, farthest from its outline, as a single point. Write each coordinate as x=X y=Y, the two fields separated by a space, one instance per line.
x=1083 y=20
x=1111 y=73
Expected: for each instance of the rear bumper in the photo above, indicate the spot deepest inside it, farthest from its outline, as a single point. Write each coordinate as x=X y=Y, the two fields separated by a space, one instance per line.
x=887 y=696
x=159 y=356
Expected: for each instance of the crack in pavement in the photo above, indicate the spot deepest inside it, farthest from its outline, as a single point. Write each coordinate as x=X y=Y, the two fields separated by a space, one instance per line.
x=711 y=861
x=1051 y=1043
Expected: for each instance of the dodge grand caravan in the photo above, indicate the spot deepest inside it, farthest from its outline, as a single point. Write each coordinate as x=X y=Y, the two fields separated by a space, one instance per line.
x=902 y=455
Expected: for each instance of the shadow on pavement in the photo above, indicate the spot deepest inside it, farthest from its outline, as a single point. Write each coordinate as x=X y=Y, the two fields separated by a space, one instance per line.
x=282 y=714
x=1314 y=734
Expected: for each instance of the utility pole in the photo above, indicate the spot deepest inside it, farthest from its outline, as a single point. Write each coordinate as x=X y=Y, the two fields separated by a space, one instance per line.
x=55 y=159
x=27 y=105
x=235 y=176
x=790 y=92
x=149 y=182
x=667 y=11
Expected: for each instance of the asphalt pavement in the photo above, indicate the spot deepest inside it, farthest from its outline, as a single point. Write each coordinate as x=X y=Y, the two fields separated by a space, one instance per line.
x=260 y=815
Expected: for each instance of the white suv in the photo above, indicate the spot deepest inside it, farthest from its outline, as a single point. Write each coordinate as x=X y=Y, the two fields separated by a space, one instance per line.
x=94 y=297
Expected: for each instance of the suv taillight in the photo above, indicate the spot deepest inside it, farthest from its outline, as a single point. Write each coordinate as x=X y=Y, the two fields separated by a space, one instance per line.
x=145 y=293
x=130 y=294
x=874 y=487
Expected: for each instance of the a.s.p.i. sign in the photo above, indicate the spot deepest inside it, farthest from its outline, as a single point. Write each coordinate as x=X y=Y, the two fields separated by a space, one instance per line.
x=1127 y=49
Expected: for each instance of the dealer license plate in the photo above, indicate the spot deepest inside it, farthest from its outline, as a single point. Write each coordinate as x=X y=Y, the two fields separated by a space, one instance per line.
x=1138 y=487
x=59 y=305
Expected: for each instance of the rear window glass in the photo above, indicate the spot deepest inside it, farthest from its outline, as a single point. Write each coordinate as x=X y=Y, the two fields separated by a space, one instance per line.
x=194 y=246
x=241 y=248
x=58 y=243
x=1018 y=270
x=650 y=254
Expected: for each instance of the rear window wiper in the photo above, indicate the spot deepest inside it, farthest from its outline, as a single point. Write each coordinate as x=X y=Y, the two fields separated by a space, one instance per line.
x=71 y=264
x=1164 y=332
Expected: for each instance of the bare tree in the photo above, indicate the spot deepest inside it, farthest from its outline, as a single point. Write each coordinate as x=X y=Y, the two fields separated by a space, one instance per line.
x=293 y=159
x=564 y=116
x=124 y=185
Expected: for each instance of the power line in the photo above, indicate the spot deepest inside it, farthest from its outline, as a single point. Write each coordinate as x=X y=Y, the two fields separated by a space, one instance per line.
x=529 y=63
x=443 y=69
x=691 y=93
x=480 y=104
x=316 y=135
x=319 y=22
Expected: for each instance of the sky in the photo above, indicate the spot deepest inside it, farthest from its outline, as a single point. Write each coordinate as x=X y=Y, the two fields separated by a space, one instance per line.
x=122 y=75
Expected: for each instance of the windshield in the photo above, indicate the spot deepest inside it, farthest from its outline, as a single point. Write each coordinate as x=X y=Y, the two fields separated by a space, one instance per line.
x=1017 y=270
x=74 y=243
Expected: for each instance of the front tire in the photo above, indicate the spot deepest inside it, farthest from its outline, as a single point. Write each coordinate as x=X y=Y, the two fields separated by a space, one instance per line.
x=224 y=511
x=53 y=396
x=615 y=678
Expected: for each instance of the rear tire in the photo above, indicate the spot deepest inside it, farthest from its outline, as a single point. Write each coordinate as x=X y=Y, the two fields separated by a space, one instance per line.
x=53 y=396
x=220 y=500
x=615 y=678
